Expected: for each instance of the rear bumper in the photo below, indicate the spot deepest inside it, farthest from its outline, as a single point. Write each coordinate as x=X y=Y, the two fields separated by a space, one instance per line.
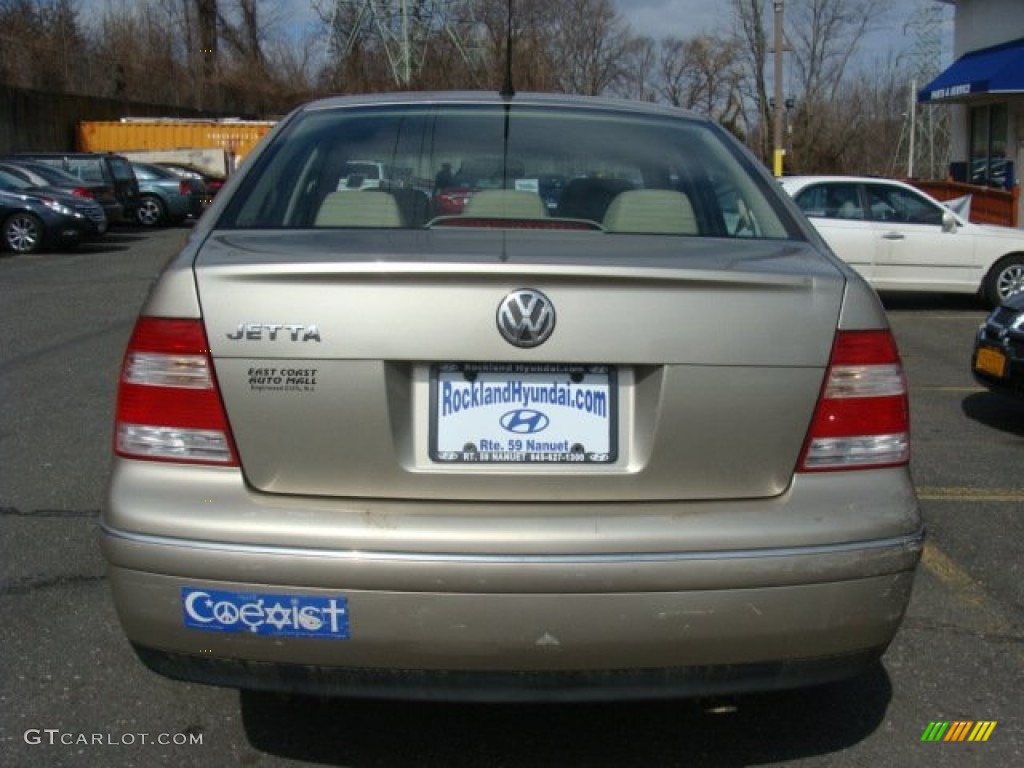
x=576 y=628
x=197 y=203
x=178 y=206
x=564 y=686
x=115 y=213
x=129 y=207
x=96 y=229
x=61 y=230
x=504 y=601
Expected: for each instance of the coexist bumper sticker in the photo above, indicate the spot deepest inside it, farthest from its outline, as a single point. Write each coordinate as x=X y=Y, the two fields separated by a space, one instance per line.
x=264 y=614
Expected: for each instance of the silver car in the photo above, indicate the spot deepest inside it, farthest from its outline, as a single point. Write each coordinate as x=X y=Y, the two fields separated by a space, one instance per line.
x=652 y=441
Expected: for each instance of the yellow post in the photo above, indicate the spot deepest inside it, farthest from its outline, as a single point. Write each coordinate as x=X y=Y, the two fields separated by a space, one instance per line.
x=779 y=154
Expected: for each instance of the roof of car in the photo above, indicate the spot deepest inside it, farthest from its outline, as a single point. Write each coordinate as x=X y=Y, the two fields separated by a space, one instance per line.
x=40 y=169
x=51 y=153
x=21 y=160
x=804 y=180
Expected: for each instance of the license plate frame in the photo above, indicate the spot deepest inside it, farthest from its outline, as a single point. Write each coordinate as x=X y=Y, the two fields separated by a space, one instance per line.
x=523 y=414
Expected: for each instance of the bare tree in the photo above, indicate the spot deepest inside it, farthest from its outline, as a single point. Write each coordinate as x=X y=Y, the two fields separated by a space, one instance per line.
x=640 y=72
x=141 y=56
x=42 y=44
x=534 y=29
x=239 y=56
x=864 y=134
x=591 y=41
x=354 y=62
x=823 y=38
x=674 y=71
x=750 y=32
x=705 y=74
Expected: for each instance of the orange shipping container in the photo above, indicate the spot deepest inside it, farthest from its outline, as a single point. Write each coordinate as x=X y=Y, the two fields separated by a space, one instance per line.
x=236 y=137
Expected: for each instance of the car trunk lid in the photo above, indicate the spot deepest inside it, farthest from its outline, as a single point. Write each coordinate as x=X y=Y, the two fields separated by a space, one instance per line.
x=328 y=347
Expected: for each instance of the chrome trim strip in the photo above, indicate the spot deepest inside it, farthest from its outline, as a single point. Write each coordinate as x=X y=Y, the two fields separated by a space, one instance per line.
x=908 y=542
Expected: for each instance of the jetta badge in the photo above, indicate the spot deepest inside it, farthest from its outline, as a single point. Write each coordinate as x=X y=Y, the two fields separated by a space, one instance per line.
x=526 y=318
x=270 y=331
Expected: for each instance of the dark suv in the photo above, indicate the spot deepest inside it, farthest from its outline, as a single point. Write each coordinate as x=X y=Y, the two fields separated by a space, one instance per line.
x=104 y=167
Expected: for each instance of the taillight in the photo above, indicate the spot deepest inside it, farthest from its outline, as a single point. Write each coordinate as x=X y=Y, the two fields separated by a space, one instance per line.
x=83 y=192
x=168 y=403
x=862 y=418
x=184 y=188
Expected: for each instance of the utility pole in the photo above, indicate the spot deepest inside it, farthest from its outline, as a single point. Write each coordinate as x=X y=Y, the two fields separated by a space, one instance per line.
x=913 y=129
x=206 y=15
x=777 y=113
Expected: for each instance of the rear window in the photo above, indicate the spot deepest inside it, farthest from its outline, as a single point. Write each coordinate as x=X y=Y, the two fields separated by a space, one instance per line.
x=122 y=169
x=88 y=169
x=144 y=172
x=54 y=176
x=368 y=170
x=519 y=166
x=10 y=181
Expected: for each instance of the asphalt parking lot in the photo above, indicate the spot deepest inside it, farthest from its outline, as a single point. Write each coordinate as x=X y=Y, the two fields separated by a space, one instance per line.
x=72 y=693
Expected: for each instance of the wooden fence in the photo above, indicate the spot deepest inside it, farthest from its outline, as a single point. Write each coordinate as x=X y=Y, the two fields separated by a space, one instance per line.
x=988 y=205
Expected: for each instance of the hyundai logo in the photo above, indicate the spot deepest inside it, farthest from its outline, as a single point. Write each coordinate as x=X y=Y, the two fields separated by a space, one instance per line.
x=524 y=422
x=526 y=318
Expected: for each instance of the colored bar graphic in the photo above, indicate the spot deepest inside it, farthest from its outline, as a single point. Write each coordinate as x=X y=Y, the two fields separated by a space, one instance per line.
x=959 y=730
x=982 y=731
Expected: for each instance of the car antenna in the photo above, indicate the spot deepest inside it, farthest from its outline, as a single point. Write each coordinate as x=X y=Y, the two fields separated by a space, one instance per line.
x=507 y=89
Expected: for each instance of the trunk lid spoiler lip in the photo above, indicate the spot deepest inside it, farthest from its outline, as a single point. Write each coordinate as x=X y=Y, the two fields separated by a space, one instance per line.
x=783 y=263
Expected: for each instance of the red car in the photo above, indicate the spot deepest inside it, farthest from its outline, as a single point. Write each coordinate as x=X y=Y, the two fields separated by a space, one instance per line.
x=213 y=183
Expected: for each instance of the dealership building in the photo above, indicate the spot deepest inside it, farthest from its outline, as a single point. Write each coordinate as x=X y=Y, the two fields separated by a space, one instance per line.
x=985 y=87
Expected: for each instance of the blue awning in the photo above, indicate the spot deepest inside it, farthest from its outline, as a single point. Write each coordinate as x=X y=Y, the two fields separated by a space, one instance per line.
x=999 y=69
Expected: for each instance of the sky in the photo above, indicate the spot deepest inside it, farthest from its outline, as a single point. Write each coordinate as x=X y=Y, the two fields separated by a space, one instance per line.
x=685 y=18
x=680 y=18
x=660 y=18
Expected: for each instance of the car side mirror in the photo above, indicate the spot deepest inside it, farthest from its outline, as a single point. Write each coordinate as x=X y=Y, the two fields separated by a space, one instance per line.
x=948 y=221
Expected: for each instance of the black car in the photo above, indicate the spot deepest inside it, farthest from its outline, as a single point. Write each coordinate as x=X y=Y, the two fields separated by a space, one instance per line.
x=103 y=167
x=33 y=218
x=998 y=358
x=43 y=175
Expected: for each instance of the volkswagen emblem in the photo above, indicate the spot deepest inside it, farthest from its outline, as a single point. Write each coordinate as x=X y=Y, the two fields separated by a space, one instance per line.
x=526 y=318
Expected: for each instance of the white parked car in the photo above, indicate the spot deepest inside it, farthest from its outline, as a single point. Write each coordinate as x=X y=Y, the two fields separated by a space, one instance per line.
x=901 y=239
x=363 y=174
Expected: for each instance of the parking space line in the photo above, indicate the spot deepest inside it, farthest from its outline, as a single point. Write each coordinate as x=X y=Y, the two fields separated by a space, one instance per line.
x=970 y=593
x=953 y=576
x=935 y=388
x=975 y=319
x=974 y=495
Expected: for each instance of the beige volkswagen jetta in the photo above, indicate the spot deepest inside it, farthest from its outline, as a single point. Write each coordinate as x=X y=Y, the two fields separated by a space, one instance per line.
x=576 y=405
